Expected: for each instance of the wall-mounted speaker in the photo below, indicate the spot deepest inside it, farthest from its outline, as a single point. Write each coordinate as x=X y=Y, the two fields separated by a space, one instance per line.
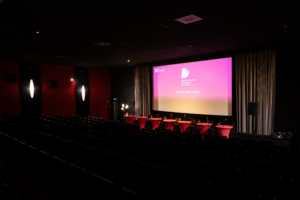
x=11 y=78
x=53 y=84
x=253 y=108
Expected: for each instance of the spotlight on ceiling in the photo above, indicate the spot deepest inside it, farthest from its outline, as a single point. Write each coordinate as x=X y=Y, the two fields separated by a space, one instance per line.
x=37 y=32
x=128 y=59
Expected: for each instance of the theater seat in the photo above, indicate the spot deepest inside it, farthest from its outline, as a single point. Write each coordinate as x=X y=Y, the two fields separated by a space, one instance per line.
x=161 y=179
x=194 y=186
x=104 y=185
x=134 y=192
x=234 y=191
x=134 y=170
x=270 y=184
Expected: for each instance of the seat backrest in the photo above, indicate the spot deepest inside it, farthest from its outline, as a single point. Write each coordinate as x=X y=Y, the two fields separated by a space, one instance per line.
x=134 y=192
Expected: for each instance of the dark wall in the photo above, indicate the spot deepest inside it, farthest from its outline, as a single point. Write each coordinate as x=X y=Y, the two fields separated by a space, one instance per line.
x=30 y=105
x=287 y=106
x=82 y=78
x=122 y=86
x=59 y=100
x=64 y=100
x=100 y=92
x=10 y=92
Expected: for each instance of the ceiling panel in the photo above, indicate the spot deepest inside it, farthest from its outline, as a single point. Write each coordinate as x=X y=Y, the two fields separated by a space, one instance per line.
x=146 y=31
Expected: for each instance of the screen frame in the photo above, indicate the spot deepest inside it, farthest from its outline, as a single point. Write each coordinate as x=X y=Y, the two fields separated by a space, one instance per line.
x=233 y=85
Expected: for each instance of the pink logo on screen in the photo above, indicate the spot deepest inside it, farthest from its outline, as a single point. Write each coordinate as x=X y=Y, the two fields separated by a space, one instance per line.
x=185 y=72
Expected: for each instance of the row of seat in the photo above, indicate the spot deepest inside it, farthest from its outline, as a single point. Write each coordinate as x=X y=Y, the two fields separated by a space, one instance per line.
x=155 y=176
x=210 y=166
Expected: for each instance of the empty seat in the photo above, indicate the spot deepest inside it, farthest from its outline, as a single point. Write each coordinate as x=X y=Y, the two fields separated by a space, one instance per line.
x=104 y=185
x=134 y=169
x=161 y=179
x=270 y=184
x=234 y=191
x=195 y=163
x=176 y=148
x=192 y=185
x=134 y=192
x=247 y=162
x=170 y=158
x=223 y=171
x=286 y=170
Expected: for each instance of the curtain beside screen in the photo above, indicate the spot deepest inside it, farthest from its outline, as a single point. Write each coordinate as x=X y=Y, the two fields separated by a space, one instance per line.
x=142 y=90
x=256 y=82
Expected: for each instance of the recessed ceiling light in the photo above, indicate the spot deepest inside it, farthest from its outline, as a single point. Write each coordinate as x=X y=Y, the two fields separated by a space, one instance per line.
x=37 y=32
x=188 y=19
x=102 y=43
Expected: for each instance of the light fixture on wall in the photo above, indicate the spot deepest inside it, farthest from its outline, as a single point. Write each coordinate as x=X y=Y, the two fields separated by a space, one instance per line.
x=83 y=93
x=124 y=107
x=71 y=79
x=128 y=59
x=31 y=88
x=82 y=88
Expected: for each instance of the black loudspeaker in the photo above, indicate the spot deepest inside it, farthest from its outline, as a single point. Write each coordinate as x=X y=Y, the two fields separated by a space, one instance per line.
x=11 y=78
x=53 y=84
x=253 y=108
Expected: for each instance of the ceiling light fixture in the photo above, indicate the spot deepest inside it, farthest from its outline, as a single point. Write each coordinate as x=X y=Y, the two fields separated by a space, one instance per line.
x=37 y=32
x=188 y=19
x=128 y=59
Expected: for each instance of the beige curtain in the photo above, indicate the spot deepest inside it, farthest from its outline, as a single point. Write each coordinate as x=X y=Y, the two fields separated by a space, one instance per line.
x=255 y=82
x=142 y=90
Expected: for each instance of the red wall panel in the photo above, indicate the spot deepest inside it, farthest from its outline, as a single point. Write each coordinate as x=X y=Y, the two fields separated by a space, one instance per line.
x=9 y=92
x=60 y=100
x=100 y=92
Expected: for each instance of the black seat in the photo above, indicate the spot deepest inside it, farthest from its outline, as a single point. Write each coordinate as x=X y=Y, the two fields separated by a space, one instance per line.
x=195 y=163
x=234 y=191
x=134 y=192
x=286 y=170
x=104 y=185
x=134 y=169
x=192 y=185
x=270 y=184
x=170 y=158
x=223 y=171
x=161 y=179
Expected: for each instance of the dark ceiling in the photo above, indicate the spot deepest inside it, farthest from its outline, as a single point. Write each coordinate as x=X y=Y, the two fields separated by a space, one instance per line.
x=144 y=30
